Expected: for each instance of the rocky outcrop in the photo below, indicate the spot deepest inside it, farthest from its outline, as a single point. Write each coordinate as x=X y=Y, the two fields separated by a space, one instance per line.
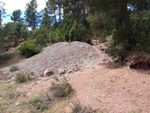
x=48 y=72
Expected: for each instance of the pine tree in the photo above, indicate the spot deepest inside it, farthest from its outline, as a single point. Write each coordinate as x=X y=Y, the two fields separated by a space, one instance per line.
x=47 y=20
x=75 y=14
x=74 y=10
x=51 y=8
x=16 y=16
x=32 y=17
x=59 y=9
x=117 y=9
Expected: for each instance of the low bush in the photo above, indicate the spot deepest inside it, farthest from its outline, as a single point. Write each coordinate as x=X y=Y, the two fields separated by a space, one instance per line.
x=61 y=89
x=34 y=100
x=22 y=77
x=36 y=103
x=139 y=39
x=56 y=36
x=11 y=95
x=14 y=95
x=13 y=68
x=29 y=48
x=78 y=108
x=41 y=36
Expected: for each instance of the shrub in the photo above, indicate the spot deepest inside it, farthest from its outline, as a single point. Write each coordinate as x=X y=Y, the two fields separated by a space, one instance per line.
x=36 y=103
x=139 y=39
x=22 y=77
x=78 y=108
x=11 y=95
x=13 y=68
x=41 y=36
x=119 y=45
x=77 y=32
x=56 y=36
x=34 y=100
x=29 y=48
x=61 y=89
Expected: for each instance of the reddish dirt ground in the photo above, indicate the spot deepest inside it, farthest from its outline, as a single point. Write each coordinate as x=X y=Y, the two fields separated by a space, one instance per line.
x=118 y=90
x=10 y=59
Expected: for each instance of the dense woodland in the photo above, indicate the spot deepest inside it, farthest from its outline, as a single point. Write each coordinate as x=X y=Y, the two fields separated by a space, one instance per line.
x=128 y=21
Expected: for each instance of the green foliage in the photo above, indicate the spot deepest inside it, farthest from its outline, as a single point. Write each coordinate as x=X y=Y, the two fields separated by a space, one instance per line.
x=24 y=33
x=36 y=103
x=78 y=108
x=56 y=36
x=16 y=15
x=13 y=68
x=47 y=20
x=101 y=24
x=11 y=33
x=22 y=77
x=14 y=95
x=32 y=17
x=77 y=32
x=141 y=34
x=34 y=100
x=11 y=95
x=119 y=44
x=70 y=31
x=44 y=106
x=29 y=48
x=41 y=36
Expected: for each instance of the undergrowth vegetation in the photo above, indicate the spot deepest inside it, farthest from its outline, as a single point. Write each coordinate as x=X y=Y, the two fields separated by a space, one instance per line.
x=61 y=88
x=13 y=68
x=140 y=42
x=59 y=91
x=29 y=48
x=23 y=77
x=78 y=108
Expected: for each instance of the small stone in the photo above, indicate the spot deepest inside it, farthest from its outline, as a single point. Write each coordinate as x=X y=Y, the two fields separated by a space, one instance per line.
x=16 y=104
x=1 y=98
x=69 y=71
x=61 y=71
x=133 y=92
x=33 y=83
x=8 y=81
x=13 y=78
x=39 y=82
x=46 y=79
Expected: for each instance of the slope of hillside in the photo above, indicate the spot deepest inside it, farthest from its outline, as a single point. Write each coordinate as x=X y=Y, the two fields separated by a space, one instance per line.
x=69 y=56
x=119 y=90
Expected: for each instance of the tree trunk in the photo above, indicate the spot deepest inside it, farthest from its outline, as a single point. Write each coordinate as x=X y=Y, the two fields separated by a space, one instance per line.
x=149 y=15
x=127 y=25
x=59 y=11
x=55 y=16
x=0 y=18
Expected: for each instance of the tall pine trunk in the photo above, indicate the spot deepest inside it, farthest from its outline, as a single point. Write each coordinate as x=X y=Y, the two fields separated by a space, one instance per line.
x=127 y=24
x=59 y=13
x=0 y=17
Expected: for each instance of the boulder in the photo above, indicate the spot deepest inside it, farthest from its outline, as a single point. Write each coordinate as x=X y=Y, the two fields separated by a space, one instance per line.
x=48 y=72
x=61 y=71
